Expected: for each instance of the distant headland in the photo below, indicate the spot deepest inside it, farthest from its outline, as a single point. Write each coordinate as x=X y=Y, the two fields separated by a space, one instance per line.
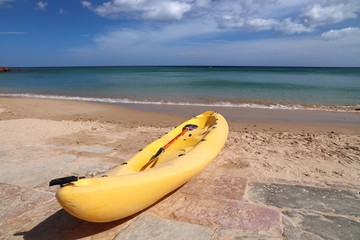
x=4 y=69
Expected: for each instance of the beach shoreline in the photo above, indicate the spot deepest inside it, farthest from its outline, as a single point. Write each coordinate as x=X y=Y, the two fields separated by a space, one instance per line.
x=203 y=102
x=253 y=132
x=239 y=117
x=45 y=139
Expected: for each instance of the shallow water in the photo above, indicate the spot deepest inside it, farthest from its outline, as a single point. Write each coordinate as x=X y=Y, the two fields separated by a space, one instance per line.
x=255 y=87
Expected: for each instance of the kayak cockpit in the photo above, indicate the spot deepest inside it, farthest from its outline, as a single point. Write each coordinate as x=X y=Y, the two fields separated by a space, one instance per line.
x=145 y=160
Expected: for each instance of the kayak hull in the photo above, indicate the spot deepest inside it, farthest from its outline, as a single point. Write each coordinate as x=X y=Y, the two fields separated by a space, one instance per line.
x=130 y=188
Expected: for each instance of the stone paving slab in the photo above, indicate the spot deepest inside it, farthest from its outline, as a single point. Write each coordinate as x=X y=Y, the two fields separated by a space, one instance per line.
x=19 y=226
x=315 y=226
x=209 y=208
x=296 y=233
x=248 y=217
x=16 y=200
x=49 y=221
x=233 y=234
x=30 y=174
x=328 y=200
x=148 y=227
x=219 y=187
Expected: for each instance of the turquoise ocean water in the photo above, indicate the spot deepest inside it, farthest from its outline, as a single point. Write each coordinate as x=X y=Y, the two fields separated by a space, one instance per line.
x=257 y=87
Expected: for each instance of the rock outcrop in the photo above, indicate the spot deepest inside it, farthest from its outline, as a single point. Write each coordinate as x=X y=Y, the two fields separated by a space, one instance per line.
x=4 y=69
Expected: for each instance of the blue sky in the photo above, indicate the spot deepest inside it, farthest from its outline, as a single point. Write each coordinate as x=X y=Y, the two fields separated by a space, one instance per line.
x=180 y=32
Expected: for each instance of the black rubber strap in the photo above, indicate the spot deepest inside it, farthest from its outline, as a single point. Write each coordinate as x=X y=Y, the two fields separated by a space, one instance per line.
x=64 y=180
x=161 y=150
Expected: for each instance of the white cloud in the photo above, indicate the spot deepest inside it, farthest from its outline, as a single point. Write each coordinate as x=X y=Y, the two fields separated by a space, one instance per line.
x=144 y=9
x=320 y=15
x=341 y=33
x=40 y=5
x=86 y=4
x=287 y=26
x=260 y=24
x=165 y=11
x=289 y=17
x=279 y=16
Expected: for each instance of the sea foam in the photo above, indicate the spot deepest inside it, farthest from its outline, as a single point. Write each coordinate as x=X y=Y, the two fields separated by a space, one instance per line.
x=213 y=104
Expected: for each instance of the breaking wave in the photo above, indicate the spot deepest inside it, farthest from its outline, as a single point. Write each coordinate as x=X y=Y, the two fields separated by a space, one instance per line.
x=209 y=104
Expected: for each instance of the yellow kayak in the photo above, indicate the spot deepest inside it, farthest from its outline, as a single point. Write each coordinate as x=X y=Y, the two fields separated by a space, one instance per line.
x=161 y=167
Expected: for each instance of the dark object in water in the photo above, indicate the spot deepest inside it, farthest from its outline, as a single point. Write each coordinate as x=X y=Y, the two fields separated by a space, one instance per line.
x=4 y=69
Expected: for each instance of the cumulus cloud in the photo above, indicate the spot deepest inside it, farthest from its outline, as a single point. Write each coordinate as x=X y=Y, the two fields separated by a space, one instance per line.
x=167 y=11
x=285 y=17
x=260 y=24
x=287 y=26
x=192 y=32
x=289 y=17
x=86 y=4
x=341 y=33
x=320 y=15
x=40 y=5
x=143 y=9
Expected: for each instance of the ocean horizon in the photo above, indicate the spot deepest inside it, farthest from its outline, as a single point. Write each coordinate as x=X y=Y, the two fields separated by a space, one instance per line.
x=313 y=88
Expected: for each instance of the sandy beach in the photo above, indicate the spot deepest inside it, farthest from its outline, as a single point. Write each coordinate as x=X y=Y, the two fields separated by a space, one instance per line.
x=45 y=139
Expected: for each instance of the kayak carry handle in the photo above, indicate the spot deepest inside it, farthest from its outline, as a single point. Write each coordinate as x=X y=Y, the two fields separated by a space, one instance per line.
x=64 y=180
x=160 y=151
